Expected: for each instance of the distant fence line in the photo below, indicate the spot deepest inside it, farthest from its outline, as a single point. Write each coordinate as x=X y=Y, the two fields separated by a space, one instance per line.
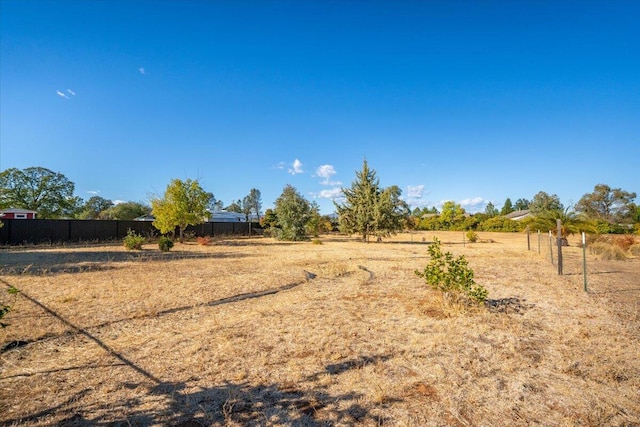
x=37 y=231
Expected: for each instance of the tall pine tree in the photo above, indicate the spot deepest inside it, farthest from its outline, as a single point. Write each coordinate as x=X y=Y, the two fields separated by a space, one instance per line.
x=370 y=210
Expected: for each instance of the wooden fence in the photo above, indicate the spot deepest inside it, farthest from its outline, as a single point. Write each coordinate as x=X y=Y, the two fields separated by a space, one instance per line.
x=38 y=231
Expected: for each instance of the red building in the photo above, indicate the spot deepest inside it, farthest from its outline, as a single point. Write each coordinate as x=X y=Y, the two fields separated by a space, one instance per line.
x=15 y=213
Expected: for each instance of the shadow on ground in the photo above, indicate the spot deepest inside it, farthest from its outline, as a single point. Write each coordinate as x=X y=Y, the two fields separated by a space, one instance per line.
x=300 y=404
x=45 y=262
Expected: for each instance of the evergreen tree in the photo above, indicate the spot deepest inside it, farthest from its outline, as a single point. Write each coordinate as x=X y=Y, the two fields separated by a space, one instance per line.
x=490 y=210
x=356 y=214
x=507 y=208
x=370 y=210
x=521 y=205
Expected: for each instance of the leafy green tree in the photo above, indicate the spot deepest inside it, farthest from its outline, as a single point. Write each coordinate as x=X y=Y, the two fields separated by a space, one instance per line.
x=507 y=208
x=270 y=219
x=252 y=203
x=452 y=216
x=293 y=212
x=490 y=210
x=369 y=209
x=185 y=203
x=317 y=223
x=521 y=205
x=234 y=207
x=612 y=205
x=126 y=211
x=499 y=223
x=38 y=189
x=93 y=207
x=543 y=202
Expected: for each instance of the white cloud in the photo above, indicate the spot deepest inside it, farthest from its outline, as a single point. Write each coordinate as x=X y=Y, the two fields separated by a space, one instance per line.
x=141 y=70
x=71 y=92
x=94 y=192
x=117 y=201
x=415 y=191
x=334 y=193
x=296 y=167
x=473 y=205
x=62 y=94
x=326 y=172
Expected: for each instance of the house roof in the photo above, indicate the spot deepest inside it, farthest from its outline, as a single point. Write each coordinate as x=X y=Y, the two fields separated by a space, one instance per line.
x=516 y=215
x=145 y=218
x=17 y=211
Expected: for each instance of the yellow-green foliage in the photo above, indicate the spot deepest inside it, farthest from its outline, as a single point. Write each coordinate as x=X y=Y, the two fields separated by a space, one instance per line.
x=452 y=276
x=133 y=240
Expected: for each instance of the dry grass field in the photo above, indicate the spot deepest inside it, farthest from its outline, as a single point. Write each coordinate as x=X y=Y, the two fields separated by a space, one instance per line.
x=256 y=332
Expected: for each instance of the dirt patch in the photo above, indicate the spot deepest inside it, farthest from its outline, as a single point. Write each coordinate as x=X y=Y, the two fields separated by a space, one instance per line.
x=256 y=332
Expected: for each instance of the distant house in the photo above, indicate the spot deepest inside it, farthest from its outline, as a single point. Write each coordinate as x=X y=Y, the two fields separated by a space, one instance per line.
x=226 y=216
x=518 y=215
x=15 y=213
x=145 y=218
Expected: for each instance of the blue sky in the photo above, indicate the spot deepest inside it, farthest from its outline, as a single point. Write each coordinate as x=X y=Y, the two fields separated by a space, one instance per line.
x=471 y=101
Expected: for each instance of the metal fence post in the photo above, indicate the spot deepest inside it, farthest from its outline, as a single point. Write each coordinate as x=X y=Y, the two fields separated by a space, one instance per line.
x=559 y=240
x=584 y=260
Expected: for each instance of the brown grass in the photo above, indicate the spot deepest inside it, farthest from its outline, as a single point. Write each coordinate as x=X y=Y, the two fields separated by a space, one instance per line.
x=260 y=332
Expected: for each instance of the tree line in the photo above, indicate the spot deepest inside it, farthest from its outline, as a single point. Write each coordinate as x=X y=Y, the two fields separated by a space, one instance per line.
x=367 y=209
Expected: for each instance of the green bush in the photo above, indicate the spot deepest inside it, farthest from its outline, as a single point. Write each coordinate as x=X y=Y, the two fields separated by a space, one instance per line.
x=133 y=240
x=6 y=308
x=472 y=236
x=452 y=276
x=500 y=223
x=165 y=244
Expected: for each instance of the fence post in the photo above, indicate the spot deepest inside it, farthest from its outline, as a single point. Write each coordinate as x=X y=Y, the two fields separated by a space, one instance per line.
x=584 y=260
x=538 y=242
x=551 y=246
x=559 y=240
x=528 y=239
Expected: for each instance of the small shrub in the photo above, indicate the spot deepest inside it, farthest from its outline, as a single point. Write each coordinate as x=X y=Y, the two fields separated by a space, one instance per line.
x=165 y=244
x=607 y=251
x=133 y=240
x=316 y=241
x=204 y=241
x=452 y=276
x=6 y=308
x=472 y=236
x=624 y=241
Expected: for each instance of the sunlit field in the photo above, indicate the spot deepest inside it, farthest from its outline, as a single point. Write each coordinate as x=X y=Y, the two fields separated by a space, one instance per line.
x=253 y=331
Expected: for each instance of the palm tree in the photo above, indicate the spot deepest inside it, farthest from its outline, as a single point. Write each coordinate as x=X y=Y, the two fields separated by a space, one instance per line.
x=570 y=222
